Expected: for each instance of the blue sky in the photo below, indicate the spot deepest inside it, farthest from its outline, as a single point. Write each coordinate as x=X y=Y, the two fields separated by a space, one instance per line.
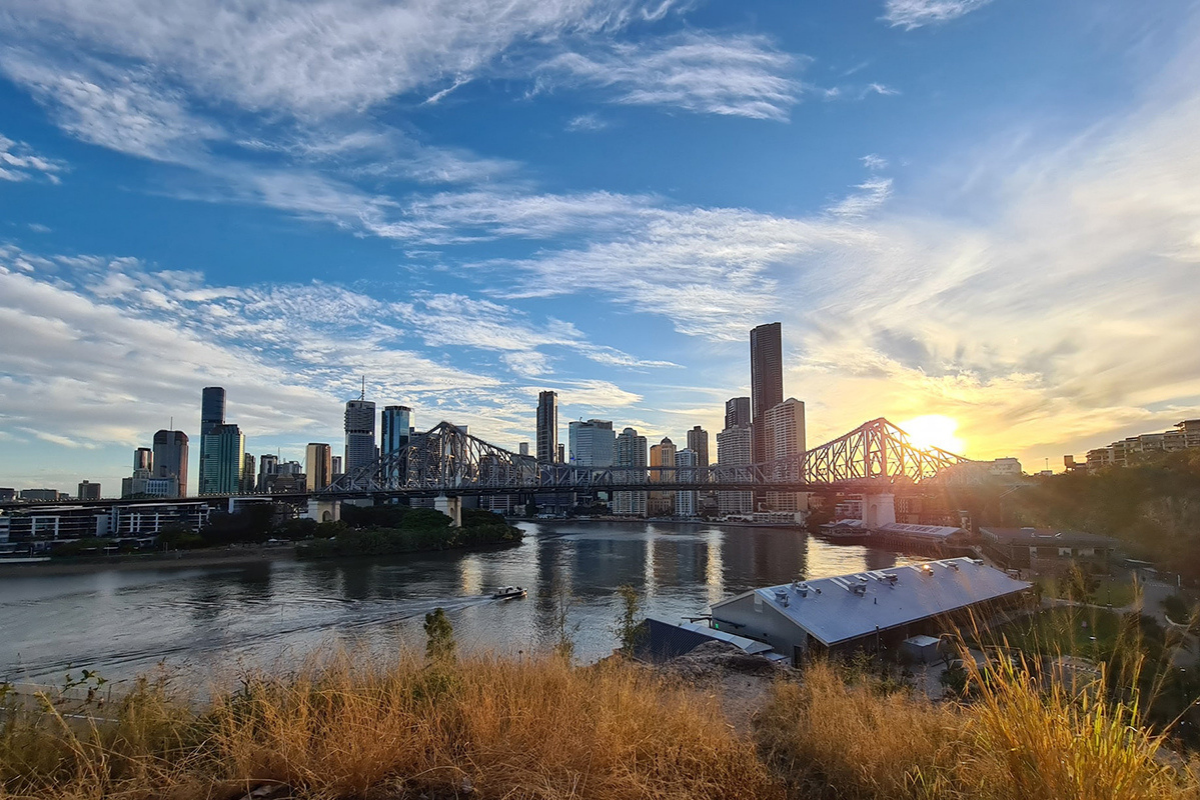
x=988 y=210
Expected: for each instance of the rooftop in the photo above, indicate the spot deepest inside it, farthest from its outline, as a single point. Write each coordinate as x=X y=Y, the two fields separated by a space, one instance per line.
x=921 y=531
x=1047 y=536
x=846 y=607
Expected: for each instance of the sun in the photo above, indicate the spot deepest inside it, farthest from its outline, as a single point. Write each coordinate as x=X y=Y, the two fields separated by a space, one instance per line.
x=934 y=430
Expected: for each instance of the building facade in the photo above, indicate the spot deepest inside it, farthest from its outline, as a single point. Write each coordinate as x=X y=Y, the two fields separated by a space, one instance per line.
x=591 y=443
x=212 y=416
x=360 y=433
x=662 y=504
x=171 y=458
x=395 y=428
x=88 y=491
x=784 y=438
x=735 y=447
x=766 y=377
x=547 y=427
x=318 y=466
x=737 y=412
x=222 y=452
x=630 y=452
x=686 y=501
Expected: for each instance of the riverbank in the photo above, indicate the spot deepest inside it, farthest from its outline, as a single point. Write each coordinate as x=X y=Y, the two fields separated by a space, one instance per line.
x=232 y=556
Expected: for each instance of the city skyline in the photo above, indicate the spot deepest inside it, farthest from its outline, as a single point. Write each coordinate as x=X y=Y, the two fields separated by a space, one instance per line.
x=654 y=180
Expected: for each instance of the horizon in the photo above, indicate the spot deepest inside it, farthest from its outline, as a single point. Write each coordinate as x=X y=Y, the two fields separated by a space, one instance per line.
x=470 y=203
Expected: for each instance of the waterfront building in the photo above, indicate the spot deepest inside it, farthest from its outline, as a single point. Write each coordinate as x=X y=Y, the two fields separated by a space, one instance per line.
x=143 y=458
x=735 y=449
x=547 y=427
x=212 y=416
x=360 y=433
x=685 y=502
x=784 y=438
x=662 y=504
x=1132 y=449
x=222 y=451
x=697 y=442
x=318 y=466
x=629 y=451
x=591 y=443
x=171 y=458
x=766 y=379
x=247 y=473
x=268 y=464
x=395 y=430
x=89 y=491
x=737 y=412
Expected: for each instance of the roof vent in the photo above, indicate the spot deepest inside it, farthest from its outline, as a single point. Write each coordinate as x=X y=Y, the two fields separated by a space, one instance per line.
x=891 y=578
x=926 y=569
x=781 y=597
x=977 y=562
x=859 y=589
x=800 y=588
x=952 y=565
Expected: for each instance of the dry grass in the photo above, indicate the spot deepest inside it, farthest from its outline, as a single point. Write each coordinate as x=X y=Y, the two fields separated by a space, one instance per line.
x=505 y=729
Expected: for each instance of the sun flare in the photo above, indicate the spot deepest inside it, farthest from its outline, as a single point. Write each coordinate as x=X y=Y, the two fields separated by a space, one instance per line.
x=934 y=430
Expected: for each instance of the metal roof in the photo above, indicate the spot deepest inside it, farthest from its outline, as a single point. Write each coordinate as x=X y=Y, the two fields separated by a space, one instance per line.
x=937 y=532
x=846 y=607
x=1047 y=536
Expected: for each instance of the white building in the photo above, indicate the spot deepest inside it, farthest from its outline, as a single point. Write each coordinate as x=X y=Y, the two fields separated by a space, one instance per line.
x=1005 y=467
x=685 y=502
x=630 y=452
x=785 y=438
x=591 y=443
x=735 y=449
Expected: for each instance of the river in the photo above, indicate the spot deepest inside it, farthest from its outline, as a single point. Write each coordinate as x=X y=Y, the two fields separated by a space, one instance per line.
x=125 y=622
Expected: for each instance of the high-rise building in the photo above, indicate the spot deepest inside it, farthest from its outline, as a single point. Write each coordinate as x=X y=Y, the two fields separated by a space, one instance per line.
x=221 y=460
x=89 y=491
x=360 y=433
x=784 y=438
x=591 y=443
x=336 y=465
x=523 y=448
x=318 y=465
x=143 y=458
x=547 y=427
x=766 y=377
x=247 y=473
x=395 y=427
x=735 y=449
x=268 y=464
x=685 y=501
x=697 y=442
x=171 y=458
x=630 y=452
x=562 y=453
x=212 y=417
x=737 y=412
x=661 y=504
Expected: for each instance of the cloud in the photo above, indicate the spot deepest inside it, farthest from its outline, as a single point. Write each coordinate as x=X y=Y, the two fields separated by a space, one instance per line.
x=910 y=14
x=874 y=162
x=586 y=122
x=18 y=162
x=874 y=193
x=743 y=76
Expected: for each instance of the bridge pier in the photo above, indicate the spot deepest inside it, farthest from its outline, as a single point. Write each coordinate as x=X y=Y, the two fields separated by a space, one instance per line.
x=323 y=510
x=879 y=509
x=451 y=507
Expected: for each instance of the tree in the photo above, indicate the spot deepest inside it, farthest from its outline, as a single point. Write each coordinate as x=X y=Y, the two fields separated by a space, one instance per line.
x=439 y=637
x=564 y=645
x=628 y=630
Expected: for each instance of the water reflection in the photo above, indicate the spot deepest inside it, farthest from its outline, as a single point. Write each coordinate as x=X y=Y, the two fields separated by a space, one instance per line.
x=124 y=622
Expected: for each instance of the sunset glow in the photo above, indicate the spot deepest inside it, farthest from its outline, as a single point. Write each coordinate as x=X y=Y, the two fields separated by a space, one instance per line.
x=934 y=430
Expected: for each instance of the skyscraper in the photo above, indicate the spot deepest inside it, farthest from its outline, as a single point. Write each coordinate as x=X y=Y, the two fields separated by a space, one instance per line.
x=562 y=453
x=212 y=416
x=523 y=448
x=685 y=501
x=766 y=377
x=89 y=491
x=221 y=460
x=336 y=466
x=268 y=464
x=247 y=473
x=737 y=412
x=143 y=458
x=591 y=443
x=734 y=449
x=784 y=438
x=360 y=433
x=171 y=458
x=630 y=452
x=395 y=425
x=662 y=455
x=318 y=465
x=547 y=427
x=697 y=442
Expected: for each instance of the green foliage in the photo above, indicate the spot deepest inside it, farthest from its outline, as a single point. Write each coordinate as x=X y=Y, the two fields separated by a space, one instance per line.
x=440 y=646
x=177 y=537
x=1179 y=611
x=420 y=530
x=564 y=644
x=254 y=523
x=628 y=630
x=1080 y=587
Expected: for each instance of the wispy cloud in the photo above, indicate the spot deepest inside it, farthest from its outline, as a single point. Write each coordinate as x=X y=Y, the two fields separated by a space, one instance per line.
x=872 y=194
x=586 y=122
x=910 y=14
x=18 y=162
x=745 y=76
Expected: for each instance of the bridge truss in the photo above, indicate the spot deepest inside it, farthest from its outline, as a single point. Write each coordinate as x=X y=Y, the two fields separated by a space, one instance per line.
x=447 y=460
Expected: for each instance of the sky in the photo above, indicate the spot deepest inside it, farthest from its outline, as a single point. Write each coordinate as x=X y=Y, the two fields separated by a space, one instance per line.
x=985 y=210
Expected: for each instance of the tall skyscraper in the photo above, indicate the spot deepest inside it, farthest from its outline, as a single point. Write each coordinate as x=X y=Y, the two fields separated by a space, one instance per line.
x=630 y=452
x=661 y=504
x=766 y=377
x=547 y=427
x=222 y=452
x=171 y=458
x=591 y=443
x=697 y=442
x=735 y=449
x=685 y=501
x=737 y=412
x=523 y=448
x=784 y=438
x=395 y=426
x=89 y=491
x=268 y=464
x=143 y=458
x=247 y=472
x=318 y=465
x=336 y=462
x=562 y=453
x=212 y=417
x=360 y=433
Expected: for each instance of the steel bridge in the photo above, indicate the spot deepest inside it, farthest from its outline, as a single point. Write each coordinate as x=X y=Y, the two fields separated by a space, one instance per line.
x=875 y=456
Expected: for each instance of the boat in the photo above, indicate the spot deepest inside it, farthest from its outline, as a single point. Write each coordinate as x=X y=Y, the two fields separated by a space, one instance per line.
x=509 y=593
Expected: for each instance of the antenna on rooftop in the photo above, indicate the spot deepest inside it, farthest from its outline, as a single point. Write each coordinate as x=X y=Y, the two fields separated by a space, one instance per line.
x=363 y=396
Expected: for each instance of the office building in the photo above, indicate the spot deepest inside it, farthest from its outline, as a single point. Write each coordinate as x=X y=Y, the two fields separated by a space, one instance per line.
x=697 y=442
x=318 y=466
x=784 y=439
x=766 y=378
x=268 y=464
x=336 y=465
x=40 y=495
x=737 y=412
x=685 y=501
x=562 y=453
x=662 y=504
x=395 y=428
x=629 y=452
x=523 y=448
x=735 y=449
x=222 y=452
x=591 y=443
x=212 y=417
x=143 y=458
x=248 y=476
x=547 y=427
x=89 y=491
x=171 y=458
x=360 y=433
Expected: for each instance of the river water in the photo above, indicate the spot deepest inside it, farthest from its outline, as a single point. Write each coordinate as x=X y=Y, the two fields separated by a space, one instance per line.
x=125 y=622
